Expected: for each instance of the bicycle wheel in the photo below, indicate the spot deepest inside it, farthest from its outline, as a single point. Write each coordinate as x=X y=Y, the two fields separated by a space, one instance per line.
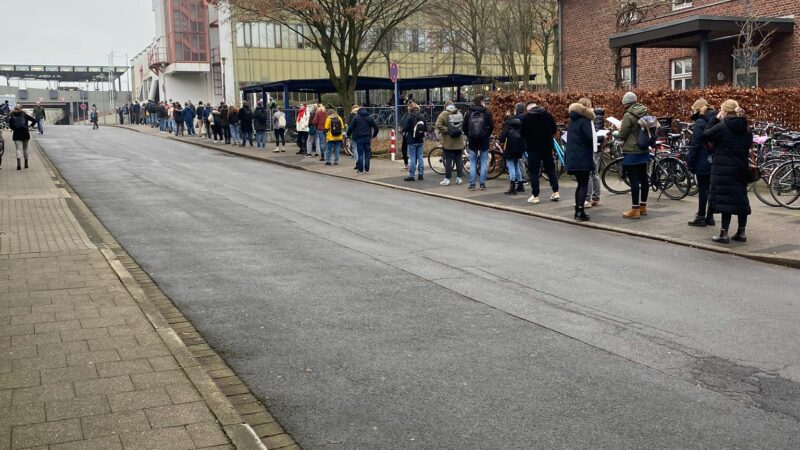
x=347 y=147
x=761 y=187
x=672 y=178
x=693 y=189
x=497 y=165
x=784 y=184
x=436 y=160
x=614 y=178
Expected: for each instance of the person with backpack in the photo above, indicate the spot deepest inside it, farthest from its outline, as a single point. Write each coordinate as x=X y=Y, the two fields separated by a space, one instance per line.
x=334 y=125
x=581 y=141
x=312 y=131
x=246 y=124
x=279 y=129
x=513 y=149
x=320 y=118
x=38 y=114
x=260 y=119
x=730 y=135
x=301 y=122
x=538 y=129
x=18 y=122
x=699 y=162
x=414 y=131
x=448 y=126
x=478 y=125
x=93 y=117
x=362 y=130
x=635 y=156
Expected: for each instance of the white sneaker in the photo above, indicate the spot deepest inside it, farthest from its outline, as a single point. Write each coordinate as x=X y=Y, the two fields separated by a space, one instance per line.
x=277 y=150
x=459 y=181
x=445 y=182
x=533 y=199
x=587 y=204
x=555 y=197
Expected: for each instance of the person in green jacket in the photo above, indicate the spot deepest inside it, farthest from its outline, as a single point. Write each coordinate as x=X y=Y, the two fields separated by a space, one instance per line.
x=448 y=126
x=38 y=114
x=634 y=159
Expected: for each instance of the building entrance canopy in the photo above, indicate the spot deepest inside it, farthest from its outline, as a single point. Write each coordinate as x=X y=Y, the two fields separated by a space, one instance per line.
x=62 y=73
x=692 y=32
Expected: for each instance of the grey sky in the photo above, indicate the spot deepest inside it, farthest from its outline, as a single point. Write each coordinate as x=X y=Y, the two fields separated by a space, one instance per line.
x=74 y=32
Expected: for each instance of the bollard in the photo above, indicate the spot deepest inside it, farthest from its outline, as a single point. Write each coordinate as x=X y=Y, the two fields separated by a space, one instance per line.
x=392 y=148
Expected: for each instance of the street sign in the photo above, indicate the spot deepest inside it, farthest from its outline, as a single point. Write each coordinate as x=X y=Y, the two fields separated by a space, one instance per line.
x=83 y=106
x=393 y=71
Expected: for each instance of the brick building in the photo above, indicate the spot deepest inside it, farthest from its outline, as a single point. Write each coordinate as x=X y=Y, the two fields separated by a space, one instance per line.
x=685 y=44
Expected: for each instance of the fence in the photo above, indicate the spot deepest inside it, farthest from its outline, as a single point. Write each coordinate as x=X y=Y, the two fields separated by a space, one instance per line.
x=780 y=106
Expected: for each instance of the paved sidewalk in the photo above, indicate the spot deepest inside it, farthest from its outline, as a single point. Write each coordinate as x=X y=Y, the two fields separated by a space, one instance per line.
x=771 y=231
x=82 y=366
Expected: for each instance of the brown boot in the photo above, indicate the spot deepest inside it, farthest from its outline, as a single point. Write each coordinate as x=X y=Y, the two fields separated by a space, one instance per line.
x=633 y=213
x=643 y=209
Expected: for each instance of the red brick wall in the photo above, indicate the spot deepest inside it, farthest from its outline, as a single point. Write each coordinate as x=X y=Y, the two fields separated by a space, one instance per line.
x=589 y=65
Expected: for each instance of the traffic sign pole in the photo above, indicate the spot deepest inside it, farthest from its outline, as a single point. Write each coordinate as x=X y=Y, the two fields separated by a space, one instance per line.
x=394 y=71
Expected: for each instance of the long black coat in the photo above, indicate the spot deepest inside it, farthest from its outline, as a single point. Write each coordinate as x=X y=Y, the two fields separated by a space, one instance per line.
x=729 y=168
x=580 y=139
x=246 y=119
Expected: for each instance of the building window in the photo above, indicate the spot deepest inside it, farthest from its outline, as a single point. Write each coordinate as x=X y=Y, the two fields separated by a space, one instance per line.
x=681 y=4
x=625 y=76
x=681 y=73
x=745 y=68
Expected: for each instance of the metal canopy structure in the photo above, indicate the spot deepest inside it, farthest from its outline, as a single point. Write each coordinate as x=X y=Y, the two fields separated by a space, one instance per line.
x=692 y=32
x=62 y=73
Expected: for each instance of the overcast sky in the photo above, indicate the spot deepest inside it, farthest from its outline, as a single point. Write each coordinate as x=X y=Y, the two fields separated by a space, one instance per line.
x=74 y=32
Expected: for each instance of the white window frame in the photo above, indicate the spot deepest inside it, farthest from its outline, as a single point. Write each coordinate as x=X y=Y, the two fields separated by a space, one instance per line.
x=681 y=4
x=741 y=71
x=681 y=77
x=625 y=76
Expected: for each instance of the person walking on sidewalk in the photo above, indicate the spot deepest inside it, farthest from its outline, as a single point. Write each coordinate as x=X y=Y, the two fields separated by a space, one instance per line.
x=301 y=122
x=335 y=127
x=233 y=124
x=320 y=118
x=39 y=115
x=593 y=196
x=581 y=140
x=362 y=130
x=311 y=142
x=538 y=129
x=279 y=129
x=18 y=122
x=513 y=149
x=260 y=119
x=216 y=124
x=93 y=117
x=246 y=124
x=478 y=126
x=699 y=162
x=730 y=135
x=448 y=126
x=635 y=158
x=414 y=132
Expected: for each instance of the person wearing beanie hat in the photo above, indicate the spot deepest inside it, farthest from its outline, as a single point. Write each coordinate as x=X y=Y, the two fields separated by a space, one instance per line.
x=448 y=127
x=451 y=108
x=730 y=135
x=635 y=159
x=519 y=108
x=699 y=162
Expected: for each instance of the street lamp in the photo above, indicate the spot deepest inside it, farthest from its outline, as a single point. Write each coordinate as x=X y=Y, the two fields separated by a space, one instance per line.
x=223 y=79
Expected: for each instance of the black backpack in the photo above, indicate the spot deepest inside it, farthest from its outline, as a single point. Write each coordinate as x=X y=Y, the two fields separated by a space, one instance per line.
x=18 y=122
x=419 y=130
x=336 y=126
x=477 y=125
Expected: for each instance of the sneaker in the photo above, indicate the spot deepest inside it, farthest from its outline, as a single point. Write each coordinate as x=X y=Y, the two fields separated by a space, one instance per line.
x=458 y=181
x=533 y=199
x=596 y=203
x=482 y=187
x=555 y=197
x=408 y=179
x=405 y=168
x=308 y=156
x=420 y=178
x=336 y=163
x=471 y=187
x=587 y=204
x=327 y=163
x=445 y=182
x=358 y=172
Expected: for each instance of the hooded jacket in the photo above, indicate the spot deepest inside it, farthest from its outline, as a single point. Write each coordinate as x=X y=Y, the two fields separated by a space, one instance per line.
x=246 y=119
x=538 y=128
x=362 y=127
x=448 y=142
x=699 y=159
x=511 y=139
x=481 y=143
x=732 y=140
x=260 y=119
x=580 y=139
x=629 y=129
x=411 y=123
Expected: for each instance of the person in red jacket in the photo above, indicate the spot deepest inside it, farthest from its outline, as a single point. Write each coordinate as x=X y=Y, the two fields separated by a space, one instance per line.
x=319 y=123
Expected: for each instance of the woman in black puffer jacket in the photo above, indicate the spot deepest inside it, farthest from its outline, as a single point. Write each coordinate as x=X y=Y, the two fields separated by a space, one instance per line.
x=579 y=156
x=732 y=139
x=699 y=162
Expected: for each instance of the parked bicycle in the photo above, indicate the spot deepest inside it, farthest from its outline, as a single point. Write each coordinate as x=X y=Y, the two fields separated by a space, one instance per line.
x=495 y=164
x=668 y=174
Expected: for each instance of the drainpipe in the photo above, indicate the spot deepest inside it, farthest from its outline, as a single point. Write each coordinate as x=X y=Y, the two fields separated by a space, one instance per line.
x=560 y=47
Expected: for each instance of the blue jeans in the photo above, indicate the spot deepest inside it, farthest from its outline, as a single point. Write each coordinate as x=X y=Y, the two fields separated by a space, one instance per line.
x=354 y=145
x=189 y=127
x=260 y=141
x=40 y=125
x=415 y=159
x=473 y=163
x=336 y=146
x=234 y=133
x=364 y=154
x=514 y=173
x=321 y=137
x=162 y=124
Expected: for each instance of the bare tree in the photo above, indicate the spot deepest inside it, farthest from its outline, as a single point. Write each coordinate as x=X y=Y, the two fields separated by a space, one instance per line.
x=752 y=46
x=338 y=29
x=543 y=17
x=469 y=21
x=627 y=14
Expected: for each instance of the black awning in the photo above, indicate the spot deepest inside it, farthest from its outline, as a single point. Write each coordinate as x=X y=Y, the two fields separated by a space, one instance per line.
x=686 y=32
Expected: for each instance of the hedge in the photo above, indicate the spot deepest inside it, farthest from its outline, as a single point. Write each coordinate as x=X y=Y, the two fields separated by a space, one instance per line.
x=781 y=106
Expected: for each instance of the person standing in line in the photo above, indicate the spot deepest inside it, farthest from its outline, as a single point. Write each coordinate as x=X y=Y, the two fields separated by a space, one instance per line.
x=18 y=122
x=246 y=124
x=581 y=140
x=171 y=124
x=312 y=131
x=519 y=113
x=362 y=130
x=233 y=121
x=538 y=129
x=334 y=125
x=699 y=162
x=635 y=159
x=188 y=118
x=414 y=131
x=39 y=115
x=593 y=195
x=177 y=117
x=353 y=145
x=730 y=135
x=93 y=117
x=301 y=122
x=137 y=108
x=448 y=126
x=513 y=149
x=260 y=119
x=320 y=118
x=161 y=113
x=152 y=109
x=279 y=129
x=120 y=116
x=226 y=125
x=200 y=125
x=216 y=124
x=478 y=126
x=404 y=144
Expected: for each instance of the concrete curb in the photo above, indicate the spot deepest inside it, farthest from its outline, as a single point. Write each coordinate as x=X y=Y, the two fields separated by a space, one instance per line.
x=777 y=260
x=242 y=436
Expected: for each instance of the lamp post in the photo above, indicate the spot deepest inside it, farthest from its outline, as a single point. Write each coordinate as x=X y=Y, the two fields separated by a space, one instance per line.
x=223 y=80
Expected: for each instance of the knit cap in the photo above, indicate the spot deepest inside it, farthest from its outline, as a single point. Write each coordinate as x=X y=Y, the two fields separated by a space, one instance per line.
x=451 y=108
x=519 y=108
x=629 y=98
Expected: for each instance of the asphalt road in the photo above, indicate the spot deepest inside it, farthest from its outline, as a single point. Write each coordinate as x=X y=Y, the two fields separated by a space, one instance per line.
x=366 y=317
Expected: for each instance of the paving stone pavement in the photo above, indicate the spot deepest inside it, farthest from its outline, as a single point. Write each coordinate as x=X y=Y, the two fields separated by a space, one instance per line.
x=81 y=365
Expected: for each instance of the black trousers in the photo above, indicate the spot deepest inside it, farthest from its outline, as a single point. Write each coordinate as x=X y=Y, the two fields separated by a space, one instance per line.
x=535 y=163
x=280 y=136
x=451 y=158
x=404 y=150
x=726 y=220
x=302 y=139
x=640 y=183
x=226 y=132
x=217 y=132
x=703 y=185
x=583 y=187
